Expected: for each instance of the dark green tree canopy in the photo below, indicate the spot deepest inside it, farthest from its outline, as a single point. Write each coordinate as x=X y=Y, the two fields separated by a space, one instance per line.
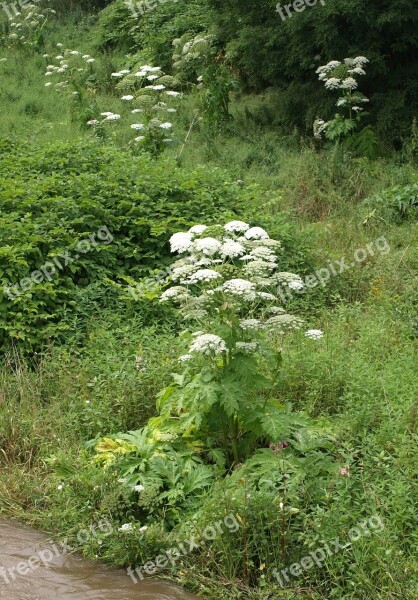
x=268 y=51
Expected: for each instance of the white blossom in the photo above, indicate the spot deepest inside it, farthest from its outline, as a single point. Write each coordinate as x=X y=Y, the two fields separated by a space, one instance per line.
x=296 y=285
x=314 y=334
x=126 y=528
x=198 y=229
x=266 y=296
x=207 y=245
x=232 y=249
x=256 y=233
x=208 y=343
x=177 y=292
x=357 y=71
x=251 y=324
x=333 y=83
x=283 y=322
x=276 y=310
x=258 y=268
x=181 y=242
x=240 y=287
x=204 y=275
x=182 y=272
x=349 y=84
x=247 y=347
x=319 y=127
x=236 y=227
x=264 y=253
x=359 y=61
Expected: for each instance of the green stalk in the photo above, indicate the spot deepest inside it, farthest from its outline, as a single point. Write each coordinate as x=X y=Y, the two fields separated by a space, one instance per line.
x=234 y=438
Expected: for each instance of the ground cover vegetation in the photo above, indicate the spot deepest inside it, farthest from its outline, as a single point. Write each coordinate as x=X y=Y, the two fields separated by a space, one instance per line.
x=208 y=292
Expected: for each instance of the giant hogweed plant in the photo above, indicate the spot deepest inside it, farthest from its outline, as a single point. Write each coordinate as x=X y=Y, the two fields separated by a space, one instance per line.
x=225 y=283
x=221 y=403
x=344 y=127
x=148 y=95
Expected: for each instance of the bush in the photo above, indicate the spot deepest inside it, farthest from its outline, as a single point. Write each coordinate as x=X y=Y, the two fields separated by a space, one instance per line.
x=394 y=205
x=74 y=215
x=152 y=32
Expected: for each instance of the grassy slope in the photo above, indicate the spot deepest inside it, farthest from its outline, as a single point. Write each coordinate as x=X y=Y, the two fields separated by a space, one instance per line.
x=361 y=376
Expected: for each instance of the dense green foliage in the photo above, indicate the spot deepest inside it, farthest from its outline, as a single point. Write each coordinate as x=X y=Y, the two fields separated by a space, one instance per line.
x=384 y=31
x=297 y=443
x=53 y=199
x=264 y=51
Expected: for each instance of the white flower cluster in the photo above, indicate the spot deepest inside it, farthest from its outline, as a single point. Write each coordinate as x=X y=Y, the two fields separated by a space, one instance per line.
x=285 y=278
x=232 y=249
x=251 y=324
x=246 y=347
x=351 y=66
x=181 y=242
x=240 y=287
x=175 y=293
x=147 y=85
x=314 y=334
x=234 y=272
x=284 y=322
x=69 y=69
x=204 y=275
x=208 y=343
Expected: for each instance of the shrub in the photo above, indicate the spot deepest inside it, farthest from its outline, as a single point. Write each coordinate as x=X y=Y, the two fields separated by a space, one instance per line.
x=395 y=205
x=75 y=214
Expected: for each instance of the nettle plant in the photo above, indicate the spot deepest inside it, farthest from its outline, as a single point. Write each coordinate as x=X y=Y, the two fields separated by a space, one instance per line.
x=345 y=124
x=225 y=283
x=146 y=90
x=26 y=27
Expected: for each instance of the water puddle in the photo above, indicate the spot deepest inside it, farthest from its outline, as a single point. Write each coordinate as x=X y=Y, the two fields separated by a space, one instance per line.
x=66 y=577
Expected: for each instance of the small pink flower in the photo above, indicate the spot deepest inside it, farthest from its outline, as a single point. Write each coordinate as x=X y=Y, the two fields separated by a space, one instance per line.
x=345 y=471
x=276 y=447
